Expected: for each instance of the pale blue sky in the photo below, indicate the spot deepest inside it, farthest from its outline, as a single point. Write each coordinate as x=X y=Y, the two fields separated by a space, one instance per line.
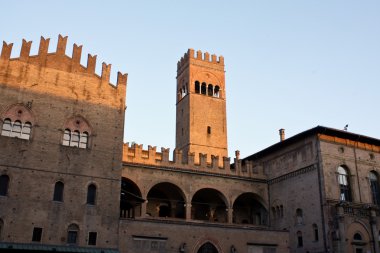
x=289 y=64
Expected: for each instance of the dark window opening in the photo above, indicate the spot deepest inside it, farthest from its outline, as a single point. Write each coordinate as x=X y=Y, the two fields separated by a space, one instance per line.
x=92 y=238
x=72 y=237
x=210 y=90
x=37 y=234
x=4 y=182
x=299 y=240
x=208 y=248
x=316 y=235
x=197 y=87
x=358 y=237
x=203 y=89
x=91 y=194
x=208 y=130
x=216 y=91
x=58 y=191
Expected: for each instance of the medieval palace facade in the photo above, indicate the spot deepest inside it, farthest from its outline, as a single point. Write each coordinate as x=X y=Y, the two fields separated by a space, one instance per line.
x=68 y=183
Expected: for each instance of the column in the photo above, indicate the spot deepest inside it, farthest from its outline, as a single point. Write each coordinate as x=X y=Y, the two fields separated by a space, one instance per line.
x=342 y=234
x=375 y=235
x=230 y=215
x=143 y=208
x=188 y=211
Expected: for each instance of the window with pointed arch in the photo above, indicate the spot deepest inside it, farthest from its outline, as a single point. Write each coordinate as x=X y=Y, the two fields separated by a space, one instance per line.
x=77 y=133
x=344 y=184
x=17 y=122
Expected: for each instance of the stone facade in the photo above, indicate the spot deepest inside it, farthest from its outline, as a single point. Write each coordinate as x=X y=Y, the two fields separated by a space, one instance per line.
x=68 y=183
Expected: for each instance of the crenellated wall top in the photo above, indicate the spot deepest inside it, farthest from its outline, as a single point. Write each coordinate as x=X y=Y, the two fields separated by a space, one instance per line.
x=201 y=58
x=136 y=154
x=59 y=60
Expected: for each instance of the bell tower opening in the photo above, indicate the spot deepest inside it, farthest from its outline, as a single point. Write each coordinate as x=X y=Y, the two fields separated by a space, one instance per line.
x=201 y=105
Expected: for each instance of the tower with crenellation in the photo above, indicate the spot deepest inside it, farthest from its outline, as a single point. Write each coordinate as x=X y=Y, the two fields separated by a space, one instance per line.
x=201 y=126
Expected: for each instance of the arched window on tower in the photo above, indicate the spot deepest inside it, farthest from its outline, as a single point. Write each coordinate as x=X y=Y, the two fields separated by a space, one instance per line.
x=374 y=184
x=197 y=87
x=77 y=133
x=344 y=184
x=216 y=91
x=210 y=90
x=203 y=89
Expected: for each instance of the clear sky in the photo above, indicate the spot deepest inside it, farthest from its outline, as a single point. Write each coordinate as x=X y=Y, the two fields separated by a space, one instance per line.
x=289 y=64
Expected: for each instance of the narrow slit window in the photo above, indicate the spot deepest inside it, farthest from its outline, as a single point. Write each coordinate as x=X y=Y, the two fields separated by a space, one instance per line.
x=197 y=87
x=58 y=191
x=4 y=183
x=91 y=194
x=208 y=130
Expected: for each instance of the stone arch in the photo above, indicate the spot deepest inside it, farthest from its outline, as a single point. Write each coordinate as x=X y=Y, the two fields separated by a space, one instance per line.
x=19 y=112
x=249 y=209
x=130 y=199
x=166 y=200
x=205 y=240
x=209 y=204
x=353 y=243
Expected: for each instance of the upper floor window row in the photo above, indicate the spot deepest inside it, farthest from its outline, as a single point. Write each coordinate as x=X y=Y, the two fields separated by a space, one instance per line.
x=209 y=90
x=16 y=129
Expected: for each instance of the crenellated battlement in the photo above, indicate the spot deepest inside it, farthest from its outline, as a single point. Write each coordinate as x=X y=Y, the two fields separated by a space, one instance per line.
x=198 y=56
x=135 y=154
x=59 y=60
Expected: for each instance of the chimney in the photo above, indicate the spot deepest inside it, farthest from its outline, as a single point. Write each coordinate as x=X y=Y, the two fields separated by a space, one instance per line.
x=282 y=134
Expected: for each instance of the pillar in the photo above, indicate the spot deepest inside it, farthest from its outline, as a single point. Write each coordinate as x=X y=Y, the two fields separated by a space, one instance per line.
x=188 y=211
x=143 y=208
x=372 y=220
x=342 y=232
x=230 y=215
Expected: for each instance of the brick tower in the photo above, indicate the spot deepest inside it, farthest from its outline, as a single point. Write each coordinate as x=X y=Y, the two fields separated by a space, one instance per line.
x=201 y=106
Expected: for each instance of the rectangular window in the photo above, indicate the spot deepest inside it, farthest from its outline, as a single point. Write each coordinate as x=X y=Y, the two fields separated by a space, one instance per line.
x=72 y=237
x=92 y=238
x=37 y=234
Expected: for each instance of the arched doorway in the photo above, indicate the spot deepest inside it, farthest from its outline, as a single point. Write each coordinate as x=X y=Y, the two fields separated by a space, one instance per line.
x=249 y=210
x=209 y=205
x=130 y=199
x=207 y=248
x=166 y=200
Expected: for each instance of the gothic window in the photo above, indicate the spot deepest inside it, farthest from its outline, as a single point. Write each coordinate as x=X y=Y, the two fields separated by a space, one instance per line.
x=197 y=87
x=315 y=232
x=91 y=194
x=4 y=183
x=344 y=184
x=210 y=90
x=72 y=234
x=299 y=239
x=77 y=133
x=16 y=129
x=58 y=191
x=203 y=89
x=374 y=184
x=358 y=237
